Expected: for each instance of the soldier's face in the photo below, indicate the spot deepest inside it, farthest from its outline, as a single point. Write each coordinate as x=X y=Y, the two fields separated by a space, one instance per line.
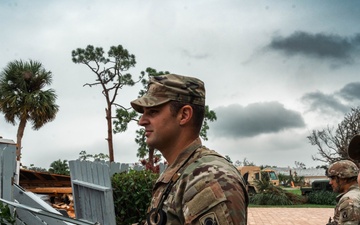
x=336 y=184
x=160 y=126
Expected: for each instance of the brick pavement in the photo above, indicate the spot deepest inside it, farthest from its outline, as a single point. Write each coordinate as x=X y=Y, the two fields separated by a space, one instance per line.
x=289 y=216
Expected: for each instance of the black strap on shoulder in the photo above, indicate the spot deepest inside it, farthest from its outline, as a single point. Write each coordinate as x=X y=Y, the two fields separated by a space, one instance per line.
x=157 y=216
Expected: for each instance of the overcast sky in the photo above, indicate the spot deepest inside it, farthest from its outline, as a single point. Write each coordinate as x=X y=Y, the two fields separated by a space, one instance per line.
x=274 y=70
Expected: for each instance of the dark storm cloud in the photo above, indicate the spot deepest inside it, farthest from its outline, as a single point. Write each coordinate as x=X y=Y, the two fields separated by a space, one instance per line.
x=351 y=91
x=324 y=103
x=321 y=45
x=337 y=102
x=257 y=118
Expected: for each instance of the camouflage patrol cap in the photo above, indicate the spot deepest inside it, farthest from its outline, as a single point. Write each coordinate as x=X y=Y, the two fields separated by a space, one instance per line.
x=343 y=169
x=354 y=148
x=171 y=87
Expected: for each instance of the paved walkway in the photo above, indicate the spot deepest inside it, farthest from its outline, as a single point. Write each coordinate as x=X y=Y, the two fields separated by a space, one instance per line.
x=289 y=216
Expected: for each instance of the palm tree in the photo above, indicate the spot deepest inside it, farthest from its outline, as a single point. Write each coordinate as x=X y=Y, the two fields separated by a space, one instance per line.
x=60 y=167
x=22 y=97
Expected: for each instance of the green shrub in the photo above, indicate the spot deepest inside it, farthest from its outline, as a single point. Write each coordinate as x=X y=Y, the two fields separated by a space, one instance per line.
x=6 y=216
x=132 y=195
x=285 y=180
x=273 y=195
x=276 y=196
x=269 y=199
x=322 y=197
x=295 y=198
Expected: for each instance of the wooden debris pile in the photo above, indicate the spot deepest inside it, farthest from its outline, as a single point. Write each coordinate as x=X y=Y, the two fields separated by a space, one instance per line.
x=55 y=188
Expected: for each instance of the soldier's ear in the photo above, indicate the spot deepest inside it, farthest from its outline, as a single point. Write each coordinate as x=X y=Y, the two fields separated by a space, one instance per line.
x=185 y=114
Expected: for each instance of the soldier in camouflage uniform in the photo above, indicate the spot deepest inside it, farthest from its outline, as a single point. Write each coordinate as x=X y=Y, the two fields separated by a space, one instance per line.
x=354 y=151
x=199 y=186
x=343 y=179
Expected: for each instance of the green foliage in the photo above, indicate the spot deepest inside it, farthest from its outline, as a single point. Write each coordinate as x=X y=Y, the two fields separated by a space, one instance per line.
x=322 y=197
x=210 y=116
x=23 y=98
x=273 y=195
x=284 y=179
x=298 y=180
x=34 y=168
x=123 y=118
x=264 y=184
x=22 y=94
x=84 y=156
x=60 y=167
x=132 y=195
x=111 y=75
x=270 y=198
x=265 y=166
x=228 y=158
x=6 y=217
x=300 y=165
x=141 y=141
x=245 y=162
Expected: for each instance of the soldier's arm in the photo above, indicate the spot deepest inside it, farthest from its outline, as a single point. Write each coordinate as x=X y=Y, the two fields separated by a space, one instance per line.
x=349 y=212
x=215 y=196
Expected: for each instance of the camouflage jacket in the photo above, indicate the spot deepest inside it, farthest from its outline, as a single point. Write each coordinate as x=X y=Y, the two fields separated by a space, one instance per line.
x=207 y=190
x=347 y=210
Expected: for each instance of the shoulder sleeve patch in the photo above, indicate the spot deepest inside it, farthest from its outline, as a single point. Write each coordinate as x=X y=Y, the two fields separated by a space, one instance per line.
x=345 y=203
x=349 y=211
x=204 y=200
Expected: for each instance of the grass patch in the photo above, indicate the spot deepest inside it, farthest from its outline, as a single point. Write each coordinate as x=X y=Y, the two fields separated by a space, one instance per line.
x=295 y=191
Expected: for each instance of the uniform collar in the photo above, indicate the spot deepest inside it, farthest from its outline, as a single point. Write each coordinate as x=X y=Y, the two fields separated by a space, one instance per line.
x=352 y=187
x=166 y=176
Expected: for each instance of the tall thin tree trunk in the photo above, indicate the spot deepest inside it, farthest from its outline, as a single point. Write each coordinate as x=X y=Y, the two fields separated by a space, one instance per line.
x=109 y=138
x=19 y=136
x=151 y=158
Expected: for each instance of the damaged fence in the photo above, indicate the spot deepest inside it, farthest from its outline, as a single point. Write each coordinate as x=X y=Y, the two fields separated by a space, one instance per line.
x=91 y=189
